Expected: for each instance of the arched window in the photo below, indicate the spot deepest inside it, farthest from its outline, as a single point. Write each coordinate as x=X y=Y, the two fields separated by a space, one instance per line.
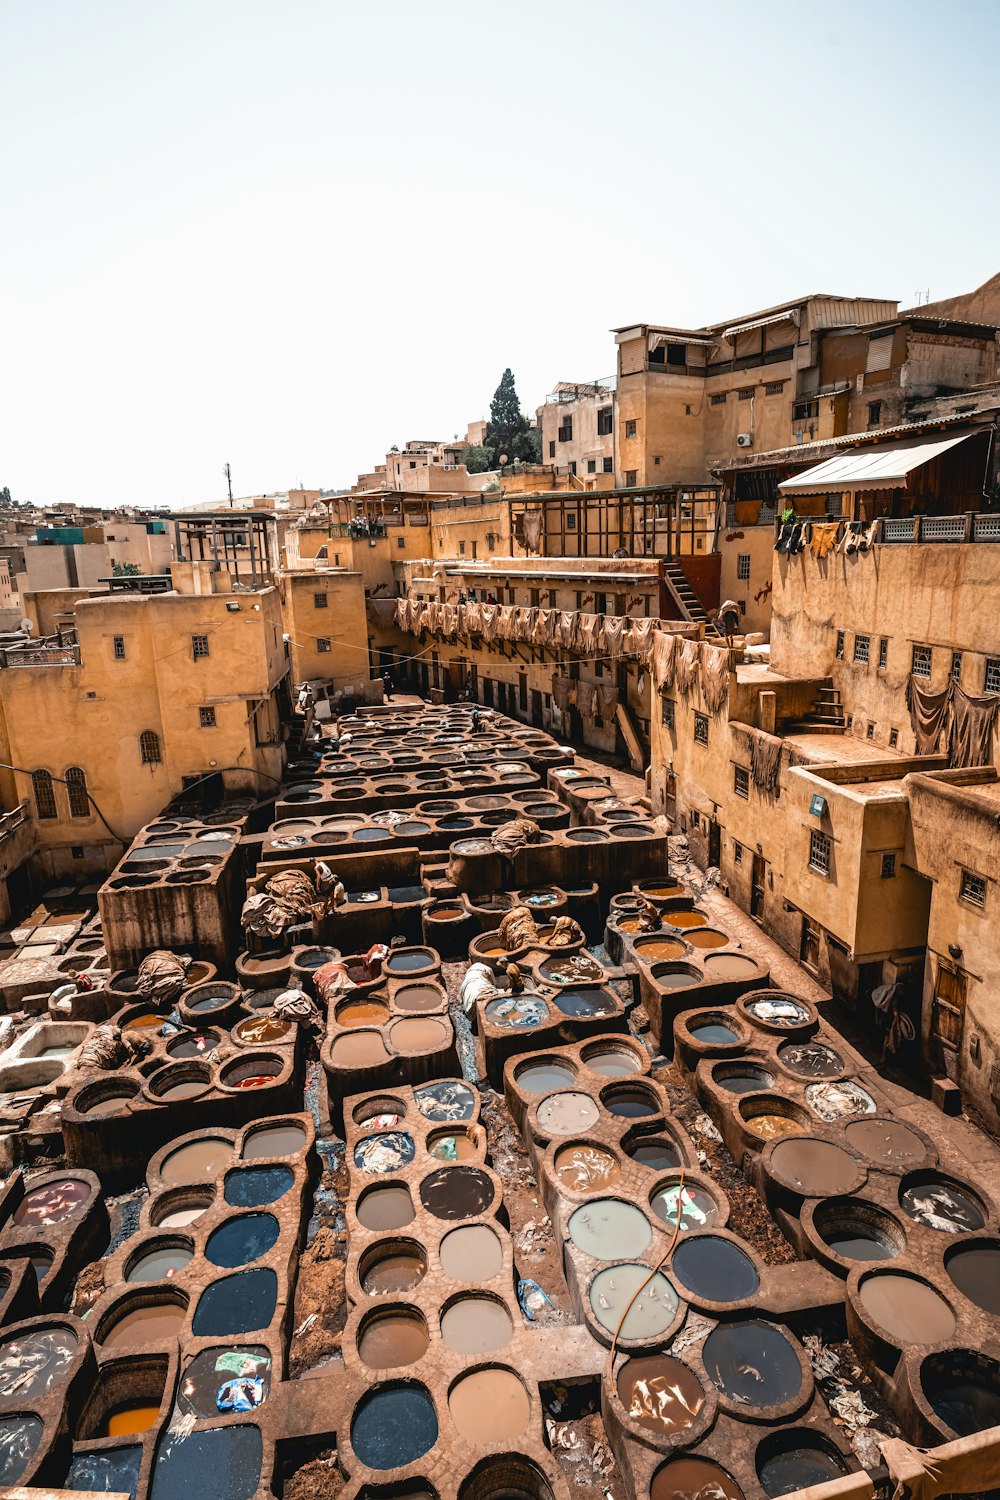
x=45 y=797
x=149 y=747
x=76 y=785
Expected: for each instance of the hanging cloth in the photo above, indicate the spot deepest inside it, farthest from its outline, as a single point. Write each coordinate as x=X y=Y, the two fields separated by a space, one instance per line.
x=562 y=688
x=607 y=700
x=927 y=713
x=640 y=638
x=765 y=760
x=714 y=676
x=490 y=614
x=531 y=528
x=566 y=628
x=970 y=739
x=614 y=632
x=664 y=660
x=585 y=695
x=824 y=538
x=687 y=663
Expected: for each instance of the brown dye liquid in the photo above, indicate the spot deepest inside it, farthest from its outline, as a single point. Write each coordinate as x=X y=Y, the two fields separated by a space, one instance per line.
x=362 y=1013
x=130 y=1419
x=663 y=892
x=911 y=1311
x=632 y=925
x=586 y=1168
x=693 y=1479
x=394 y=1273
x=472 y=1253
x=708 y=937
x=276 y=1140
x=771 y=1127
x=818 y=1169
x=146 y=1325
x=197 y=1161
x=453 y=1148
x=686 y=918
x=885 y=1140
x=489 y=1406
x=386 y=1208
x=565 y=1114
x=109 y=1106
x=188 y=1089
x=729 y=965
x=392 y=1340
x=661 y=1393
x=476 y=1325
x=665 y=947
x=414 y=1035
x=262 y=1029
x=363 y=1049
x=417 y=997
x=446 y=913
x=143 y=1023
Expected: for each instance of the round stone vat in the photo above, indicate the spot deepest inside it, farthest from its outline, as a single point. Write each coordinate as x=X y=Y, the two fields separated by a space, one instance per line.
x=392 y=1265
x=796 y=1458
x=753 y=1364
x=854 y=1230
x=905 y=1308
x=393 y=1337
x=962 y=1387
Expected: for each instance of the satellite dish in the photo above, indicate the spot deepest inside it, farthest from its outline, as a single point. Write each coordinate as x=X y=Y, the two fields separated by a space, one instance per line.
x=27 y=626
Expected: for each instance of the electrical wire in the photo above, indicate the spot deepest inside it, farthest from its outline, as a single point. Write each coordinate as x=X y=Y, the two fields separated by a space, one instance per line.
x=654 y=1272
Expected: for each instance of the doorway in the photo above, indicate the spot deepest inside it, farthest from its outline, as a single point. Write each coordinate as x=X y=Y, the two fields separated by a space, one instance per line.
x=809 y=950
x=757 y=878
x=714 y=843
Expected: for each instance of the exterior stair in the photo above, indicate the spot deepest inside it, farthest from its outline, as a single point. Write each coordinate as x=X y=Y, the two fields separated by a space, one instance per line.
x=687 y=600
x=826 y=715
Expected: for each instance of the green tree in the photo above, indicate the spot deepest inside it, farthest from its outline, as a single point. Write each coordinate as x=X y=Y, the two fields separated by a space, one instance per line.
x=5 y=496
x=508 y=431
x=125 y=570
x=475 y=458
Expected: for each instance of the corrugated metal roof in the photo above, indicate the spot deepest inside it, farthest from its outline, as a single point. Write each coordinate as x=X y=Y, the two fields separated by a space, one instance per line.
x=792 y=316
x=883 y=468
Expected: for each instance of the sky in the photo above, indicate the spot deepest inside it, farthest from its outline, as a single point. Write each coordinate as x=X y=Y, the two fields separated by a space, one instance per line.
x=290 y=235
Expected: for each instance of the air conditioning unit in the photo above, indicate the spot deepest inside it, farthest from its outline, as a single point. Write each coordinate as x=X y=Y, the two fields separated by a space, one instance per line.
x=744 y=440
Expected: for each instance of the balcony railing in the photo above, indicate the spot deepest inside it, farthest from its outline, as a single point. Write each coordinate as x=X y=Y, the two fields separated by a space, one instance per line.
x=40 y=656
x=11 y=821
x=969 y=527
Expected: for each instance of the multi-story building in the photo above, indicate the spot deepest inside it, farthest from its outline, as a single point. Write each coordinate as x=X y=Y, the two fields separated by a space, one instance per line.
x=577 y=426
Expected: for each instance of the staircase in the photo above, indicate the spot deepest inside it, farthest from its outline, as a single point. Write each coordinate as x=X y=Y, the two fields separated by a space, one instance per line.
x=826 y=715
x=687 y=600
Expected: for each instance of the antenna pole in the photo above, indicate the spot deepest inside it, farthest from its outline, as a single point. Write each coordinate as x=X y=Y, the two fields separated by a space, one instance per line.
x=229 y=480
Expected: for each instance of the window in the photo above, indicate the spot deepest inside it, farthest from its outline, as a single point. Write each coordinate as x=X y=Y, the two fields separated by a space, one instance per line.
x=667 y=713
x=774 y=388
x=401 y=541
x=565 y=432
x=572 y=467
x=76 y=851
x=741 y=782
x=973 y=889
x=893 y=738
x=461 y=549
x=862 y=648
x=746 y=394
x=719 y=399
x=206 y=718
x=630 y=426
x=883 y=654
x=991 y=675
x=888 y=866
x=737 y=854
x=677 y=354
x=76 y=786
x=956 y=665
x=870 y=732
x=802 y=410
x=841 y=638
x=199 y=646
x=920 y=664
x=820 y=847
x=809 y=943
x=630 y=478
x=608 y=466
x=656 y=459
x=118 y=645
x=552 y=450
x=743 y=565
x=604 y=422
x=874 y=413
x=323 y=643
x=320 y=601
x=591 y=465
x=44 y=793
x=149 y=748
x=701 y=729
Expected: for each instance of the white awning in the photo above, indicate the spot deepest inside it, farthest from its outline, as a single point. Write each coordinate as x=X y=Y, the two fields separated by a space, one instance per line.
x=791 y=316
x=880 y=468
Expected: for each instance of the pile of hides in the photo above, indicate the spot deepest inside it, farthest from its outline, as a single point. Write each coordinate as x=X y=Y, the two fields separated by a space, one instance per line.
x=162 y=976
x=565 y=932
x=286 y=898
x=108 y=1047
x=686 y=663
x=714 y=676
x=332 y=980
x=479 y=983
x=294 y=1005
x=518 y=929
x=510 y=838
x=765 y=760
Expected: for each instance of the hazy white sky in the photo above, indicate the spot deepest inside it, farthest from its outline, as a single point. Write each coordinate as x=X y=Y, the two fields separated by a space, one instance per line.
x=290 y=234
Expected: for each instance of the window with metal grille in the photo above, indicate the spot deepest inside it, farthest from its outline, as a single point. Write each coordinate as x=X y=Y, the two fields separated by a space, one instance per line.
x=667 y=713
x=973 y=889
x=737 y=854
x=920 y=664
x=149 y=748
x=76 y=787
x=820 y=848
x=741 y=782
x=323 y=643
x=883 y=653
x=774 y=388
x=206 y=718
x=743 y=565
x=44 y=793
x=888 y=866
x=862 y=648
x=320 y=601
x=461 y=549
x=719 y=398
x=991 y=675
x=746 y=394
x=630 y=428
x=701 y=729
x=956 y=666
x=118 y=643
x=841 y=638
x=199 y=646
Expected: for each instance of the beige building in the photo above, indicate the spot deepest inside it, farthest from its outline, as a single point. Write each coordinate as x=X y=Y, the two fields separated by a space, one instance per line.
x=577 y=426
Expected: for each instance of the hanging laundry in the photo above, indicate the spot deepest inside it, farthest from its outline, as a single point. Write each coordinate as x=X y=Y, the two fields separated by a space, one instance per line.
x=927 y=713
x=972 y=723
